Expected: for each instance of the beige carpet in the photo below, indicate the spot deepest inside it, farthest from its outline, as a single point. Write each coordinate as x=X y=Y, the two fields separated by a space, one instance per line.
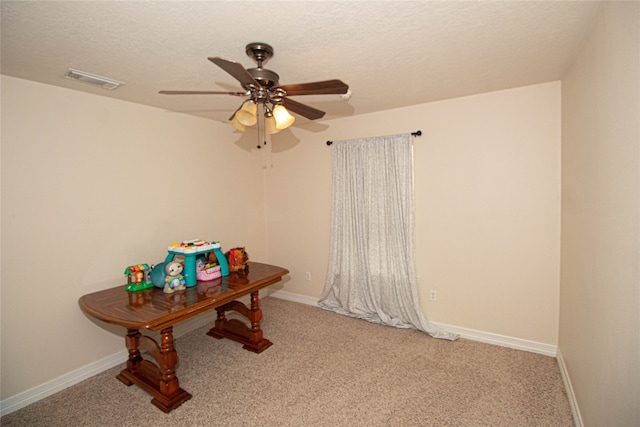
x=325 y=369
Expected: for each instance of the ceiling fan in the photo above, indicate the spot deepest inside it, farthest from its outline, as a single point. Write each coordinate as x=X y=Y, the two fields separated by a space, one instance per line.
x=263 y=88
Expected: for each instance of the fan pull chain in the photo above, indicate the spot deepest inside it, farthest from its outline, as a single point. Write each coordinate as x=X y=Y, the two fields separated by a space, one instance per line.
x=261 y=119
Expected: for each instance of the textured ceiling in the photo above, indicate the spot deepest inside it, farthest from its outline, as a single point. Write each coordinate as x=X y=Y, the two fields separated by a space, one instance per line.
x=391 y=53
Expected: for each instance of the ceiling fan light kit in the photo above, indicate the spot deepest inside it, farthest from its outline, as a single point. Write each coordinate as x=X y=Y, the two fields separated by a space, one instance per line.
x=236 y=124
x=270 y=125
x=282 y=117
x=263 y=88
x=247 y=113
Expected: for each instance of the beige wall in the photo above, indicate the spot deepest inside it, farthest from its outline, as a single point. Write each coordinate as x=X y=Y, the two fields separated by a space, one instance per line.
x=91 y=185
x=600 y=283
x=487 y=196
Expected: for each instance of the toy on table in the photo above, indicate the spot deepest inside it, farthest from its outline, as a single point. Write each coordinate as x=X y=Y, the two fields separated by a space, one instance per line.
x=206 y=272
x=174 y=281
x=138 y=277
x=238 y=259
x=191 y=250
x=158 y=274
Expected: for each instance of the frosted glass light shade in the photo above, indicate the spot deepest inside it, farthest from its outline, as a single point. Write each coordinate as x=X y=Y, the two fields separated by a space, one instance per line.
x=236 y=124
x=283 y=118
x=270 y=125
x=247 y=114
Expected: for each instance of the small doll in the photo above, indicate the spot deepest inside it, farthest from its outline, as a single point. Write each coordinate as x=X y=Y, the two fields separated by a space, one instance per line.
x=174 y=281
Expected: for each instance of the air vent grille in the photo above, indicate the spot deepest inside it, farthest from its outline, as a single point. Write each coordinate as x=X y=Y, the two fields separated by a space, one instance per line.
x=92 y=79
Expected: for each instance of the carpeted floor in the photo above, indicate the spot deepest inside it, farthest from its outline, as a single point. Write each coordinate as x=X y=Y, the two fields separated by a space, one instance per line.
x=326 y=370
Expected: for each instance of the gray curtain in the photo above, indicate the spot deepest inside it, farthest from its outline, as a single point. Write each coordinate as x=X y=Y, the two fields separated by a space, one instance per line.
x=371 y=272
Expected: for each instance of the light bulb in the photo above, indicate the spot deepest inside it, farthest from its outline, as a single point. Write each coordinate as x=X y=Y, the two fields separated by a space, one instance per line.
x=283 y=118
x=247 y=114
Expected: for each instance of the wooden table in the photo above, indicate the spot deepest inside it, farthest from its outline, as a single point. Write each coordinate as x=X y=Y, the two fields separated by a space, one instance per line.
x=154 y=310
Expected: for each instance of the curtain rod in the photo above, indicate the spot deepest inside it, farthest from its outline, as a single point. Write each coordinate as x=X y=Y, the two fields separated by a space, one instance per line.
x=416 y=133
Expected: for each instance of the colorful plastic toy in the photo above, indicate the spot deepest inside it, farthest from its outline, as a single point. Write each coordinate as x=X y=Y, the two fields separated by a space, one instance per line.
x=138 y=277
x=207 y=271
x=191 y=249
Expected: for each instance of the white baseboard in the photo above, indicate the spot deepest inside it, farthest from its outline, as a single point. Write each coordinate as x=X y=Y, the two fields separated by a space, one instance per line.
x=471 y=334
x=302 y=299
x=30 y=396
x=573 y=403
x=501 y=340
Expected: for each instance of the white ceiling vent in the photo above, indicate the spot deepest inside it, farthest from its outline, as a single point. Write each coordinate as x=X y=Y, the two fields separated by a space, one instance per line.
x=92 y=79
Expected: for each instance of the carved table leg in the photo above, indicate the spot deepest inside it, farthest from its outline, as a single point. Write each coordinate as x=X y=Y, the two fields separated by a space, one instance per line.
x=132 y=342
x=236 y=330
x=160 y=382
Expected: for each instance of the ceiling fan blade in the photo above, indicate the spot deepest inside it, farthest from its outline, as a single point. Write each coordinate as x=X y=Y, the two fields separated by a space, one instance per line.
x=236 y=70
x=304 y=110
x=326 y=87
x=199 y=92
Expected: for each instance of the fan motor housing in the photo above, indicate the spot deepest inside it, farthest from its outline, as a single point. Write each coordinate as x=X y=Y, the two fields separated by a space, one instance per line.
x=266 y=78
x=261 y=53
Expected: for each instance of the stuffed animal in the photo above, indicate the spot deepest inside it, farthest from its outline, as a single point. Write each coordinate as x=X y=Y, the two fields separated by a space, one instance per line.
x=238 y=260
x=174 y=281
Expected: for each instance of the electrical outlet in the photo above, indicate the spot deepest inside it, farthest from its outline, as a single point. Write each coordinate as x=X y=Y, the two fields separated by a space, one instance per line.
x=433 y=295
x=307 y=276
